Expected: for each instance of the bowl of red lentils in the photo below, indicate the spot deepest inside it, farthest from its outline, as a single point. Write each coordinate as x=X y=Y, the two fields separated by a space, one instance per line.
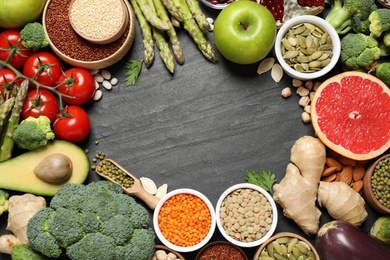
x=246 y=215
x=184 y=220
x=74 y=48
x=221 y=250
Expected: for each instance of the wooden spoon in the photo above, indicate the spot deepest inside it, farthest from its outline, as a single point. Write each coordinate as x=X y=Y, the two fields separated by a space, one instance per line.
x=136 y=190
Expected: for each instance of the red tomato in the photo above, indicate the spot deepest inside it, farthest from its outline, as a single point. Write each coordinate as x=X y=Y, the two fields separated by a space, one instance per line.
x=42 y=102
x=73 y=125
x=10 y=43
x=44 y=67
x=78 y=83
x=6 y=78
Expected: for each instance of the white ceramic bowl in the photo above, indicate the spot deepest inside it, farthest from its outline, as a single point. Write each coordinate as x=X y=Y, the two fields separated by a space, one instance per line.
x=158 y=230
x=313 y=20
x=274 y=215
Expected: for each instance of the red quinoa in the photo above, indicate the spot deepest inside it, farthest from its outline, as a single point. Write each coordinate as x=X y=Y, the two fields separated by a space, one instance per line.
x=66 y=39
x=221 y=252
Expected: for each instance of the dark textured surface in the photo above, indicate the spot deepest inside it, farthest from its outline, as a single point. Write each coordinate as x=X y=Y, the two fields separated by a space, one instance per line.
x=201 y=128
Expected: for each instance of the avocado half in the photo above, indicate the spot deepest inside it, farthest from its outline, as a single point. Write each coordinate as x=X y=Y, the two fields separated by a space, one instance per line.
x=18 y=173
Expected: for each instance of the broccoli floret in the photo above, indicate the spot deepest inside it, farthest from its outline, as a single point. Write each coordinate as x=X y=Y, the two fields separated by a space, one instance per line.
x=383 y=72
x=33 y=133
x=38 y=235
x=342 y=11
x=140 y=247
x=92 y=222
x=33 y=36
x=358 y=51
x=379 y=22
x=25 y=252
x=4 y=196
x=93 y=246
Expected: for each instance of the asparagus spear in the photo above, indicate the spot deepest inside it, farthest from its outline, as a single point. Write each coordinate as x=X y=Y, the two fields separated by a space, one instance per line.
x=5 y=108
x=195 y=32
x=176 y=46
x=146 y=33
x=13 y=121
x=198 y=15
x=151 y=16
x=172 y=10
x=162 y=44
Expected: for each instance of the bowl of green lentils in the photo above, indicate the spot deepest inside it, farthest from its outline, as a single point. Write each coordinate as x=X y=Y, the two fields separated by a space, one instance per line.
x=246 y=215
x=376 y=185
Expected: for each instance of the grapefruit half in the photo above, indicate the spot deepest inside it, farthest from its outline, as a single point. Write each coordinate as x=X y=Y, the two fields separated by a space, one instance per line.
x=351 y=115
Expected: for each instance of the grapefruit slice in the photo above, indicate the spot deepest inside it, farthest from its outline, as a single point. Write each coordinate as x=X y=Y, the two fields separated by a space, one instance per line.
x=351 y=115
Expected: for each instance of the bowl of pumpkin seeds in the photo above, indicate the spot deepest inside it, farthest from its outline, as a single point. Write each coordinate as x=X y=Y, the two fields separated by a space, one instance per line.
x=307 y=47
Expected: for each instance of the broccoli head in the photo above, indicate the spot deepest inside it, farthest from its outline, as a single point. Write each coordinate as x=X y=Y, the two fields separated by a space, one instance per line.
x=379 y=22
x=4 y=196
x=33 y=36
x=33 y=133
x=358 y=51
x=92 y=221
x=342 y=11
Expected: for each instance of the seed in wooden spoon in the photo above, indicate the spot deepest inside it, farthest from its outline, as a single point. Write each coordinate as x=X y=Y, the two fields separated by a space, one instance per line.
x=148 y=185
x=265 y=65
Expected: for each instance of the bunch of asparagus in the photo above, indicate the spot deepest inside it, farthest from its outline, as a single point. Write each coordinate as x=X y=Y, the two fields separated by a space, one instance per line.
x=158 y=19
x=10 y=110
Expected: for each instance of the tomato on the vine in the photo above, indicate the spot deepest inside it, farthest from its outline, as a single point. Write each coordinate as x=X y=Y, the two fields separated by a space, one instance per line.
x=7 y=82
x=11 y=48
x=78 y=83
x=44 y=67
x=40 y=102
x=72 y=124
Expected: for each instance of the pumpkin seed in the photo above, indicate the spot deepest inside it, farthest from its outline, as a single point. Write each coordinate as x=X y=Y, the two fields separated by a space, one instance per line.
x=148 y=185
x=265 y=65
x=277 y=72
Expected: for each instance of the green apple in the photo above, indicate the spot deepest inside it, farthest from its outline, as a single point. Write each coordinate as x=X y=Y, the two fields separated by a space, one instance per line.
x=244 y=32
x=17 y=13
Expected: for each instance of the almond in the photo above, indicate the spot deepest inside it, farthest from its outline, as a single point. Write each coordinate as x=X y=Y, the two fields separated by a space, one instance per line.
x=331 y=162
x=358 y=172
x=357 y=185
x=347 y=161
x=329 y=178
x=328 y=171
x=346 y=174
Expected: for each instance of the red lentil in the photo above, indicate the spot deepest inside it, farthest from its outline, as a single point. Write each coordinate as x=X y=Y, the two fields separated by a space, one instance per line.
x=184 y=220
x=67 y=41
x=221 y=252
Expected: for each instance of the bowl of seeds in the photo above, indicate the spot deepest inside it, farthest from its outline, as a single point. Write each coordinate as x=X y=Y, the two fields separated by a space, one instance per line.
x=81 y=42
x=184 y=220
x=376 y=185
x=307 y=47
x=286 y=245
x=246 y=215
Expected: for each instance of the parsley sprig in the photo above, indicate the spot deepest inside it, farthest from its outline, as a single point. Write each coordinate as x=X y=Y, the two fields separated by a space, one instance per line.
x=265 y=179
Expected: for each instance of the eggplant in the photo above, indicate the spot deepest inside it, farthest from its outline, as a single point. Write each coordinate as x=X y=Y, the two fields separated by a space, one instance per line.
x=338 y=240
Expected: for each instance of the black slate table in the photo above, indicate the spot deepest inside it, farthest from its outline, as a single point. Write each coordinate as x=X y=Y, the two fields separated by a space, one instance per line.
x=201 y=128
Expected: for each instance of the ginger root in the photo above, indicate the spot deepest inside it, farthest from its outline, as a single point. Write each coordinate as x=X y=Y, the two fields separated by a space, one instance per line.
x=20 y=209
x=7 y=243
x=342 y=202
x=297 y=191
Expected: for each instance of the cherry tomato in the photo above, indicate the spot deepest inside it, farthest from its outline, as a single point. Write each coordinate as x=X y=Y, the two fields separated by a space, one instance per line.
x=10 y=43
x=6 y=78
x=44 y=67
x=78 y=83
x=40 y=102
x=72 y=125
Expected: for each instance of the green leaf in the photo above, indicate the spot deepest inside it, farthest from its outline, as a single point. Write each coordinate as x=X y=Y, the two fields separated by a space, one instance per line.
x=265 y=179
x=133 y=70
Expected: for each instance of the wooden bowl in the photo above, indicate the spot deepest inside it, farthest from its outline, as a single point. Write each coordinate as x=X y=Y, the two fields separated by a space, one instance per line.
x=111 y=56
x=367 y=188
x=168 y=250
x=78 y=20
x=285 y=234
x=219 y=243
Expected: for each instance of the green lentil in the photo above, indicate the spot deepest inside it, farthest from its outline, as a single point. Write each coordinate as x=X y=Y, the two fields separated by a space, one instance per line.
x=380 y=181
x=111 y=170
